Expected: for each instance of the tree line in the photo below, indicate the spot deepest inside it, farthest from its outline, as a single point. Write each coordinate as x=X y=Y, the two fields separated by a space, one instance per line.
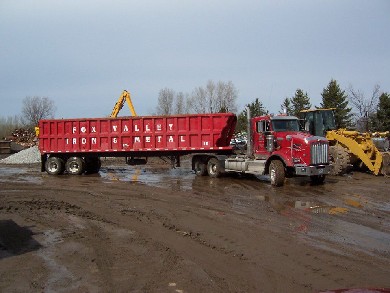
x=353 y=109
x=214 y=97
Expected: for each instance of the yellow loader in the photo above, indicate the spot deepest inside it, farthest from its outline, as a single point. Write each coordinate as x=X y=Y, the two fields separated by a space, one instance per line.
x=365 y=151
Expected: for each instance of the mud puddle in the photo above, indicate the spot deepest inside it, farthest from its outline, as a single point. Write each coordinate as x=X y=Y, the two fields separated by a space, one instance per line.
x=179 y=178
x=18 y=174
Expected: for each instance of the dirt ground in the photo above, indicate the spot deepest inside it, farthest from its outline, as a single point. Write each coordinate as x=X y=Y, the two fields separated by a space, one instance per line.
x=156 y=229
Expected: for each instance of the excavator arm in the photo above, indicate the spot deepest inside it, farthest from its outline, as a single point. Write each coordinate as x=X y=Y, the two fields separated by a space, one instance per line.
x=125 y=97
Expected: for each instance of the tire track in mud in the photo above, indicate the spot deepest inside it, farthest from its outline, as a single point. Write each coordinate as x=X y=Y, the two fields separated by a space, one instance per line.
x=49 y=207
x=154 y=218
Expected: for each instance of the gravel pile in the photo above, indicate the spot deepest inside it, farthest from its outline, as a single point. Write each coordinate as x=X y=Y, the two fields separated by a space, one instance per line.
x=27 y=156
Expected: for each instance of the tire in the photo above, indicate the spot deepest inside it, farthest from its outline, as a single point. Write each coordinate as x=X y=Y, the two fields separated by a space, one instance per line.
x=277 y=173
x=200 y=168
x=214 y=168
x=317 y=179
x=54 y=166
x=340 y=159
x=75 y=166
x=92 y=165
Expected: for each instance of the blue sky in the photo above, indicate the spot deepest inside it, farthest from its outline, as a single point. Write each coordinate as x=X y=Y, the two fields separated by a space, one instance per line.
x=82 y=54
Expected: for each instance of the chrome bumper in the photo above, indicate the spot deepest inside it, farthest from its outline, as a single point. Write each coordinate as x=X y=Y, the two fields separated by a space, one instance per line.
x=312 y=170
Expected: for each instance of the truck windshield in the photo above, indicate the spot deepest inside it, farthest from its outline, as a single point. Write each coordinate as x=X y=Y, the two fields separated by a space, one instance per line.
x=285 y=125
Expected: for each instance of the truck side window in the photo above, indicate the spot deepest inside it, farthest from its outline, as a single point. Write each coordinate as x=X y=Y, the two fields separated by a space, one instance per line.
x=263 y=126
x=260 y=126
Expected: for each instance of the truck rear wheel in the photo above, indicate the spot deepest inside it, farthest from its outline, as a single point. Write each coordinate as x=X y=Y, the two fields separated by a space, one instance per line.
x=277 y=173
x=214 y=168
x=54 y=166
x=75 y=166
x=200 y=168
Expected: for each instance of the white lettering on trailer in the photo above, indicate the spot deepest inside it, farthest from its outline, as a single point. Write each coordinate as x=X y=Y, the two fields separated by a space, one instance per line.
x=74 y=140
x=147 y=138
x=67 y=141
x=147 y=127
x=83 y=140
x=114 y=127
x=93 y=140
x=125 y=129
x=170 y=126
x=182 y=138
x=74 y=129
x=158 y=127
x=159 y=138
x=137 y=139
x=205 y=143
x=136 y=128
x=115 y=140
x=170 y=139
x=83 y=129
x=93 y=129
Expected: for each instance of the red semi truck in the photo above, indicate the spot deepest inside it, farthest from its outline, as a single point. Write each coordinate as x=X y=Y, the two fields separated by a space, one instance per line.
x=275 y=145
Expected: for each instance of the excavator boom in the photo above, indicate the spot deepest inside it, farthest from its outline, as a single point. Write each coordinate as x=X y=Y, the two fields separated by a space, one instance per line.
x=124 y=97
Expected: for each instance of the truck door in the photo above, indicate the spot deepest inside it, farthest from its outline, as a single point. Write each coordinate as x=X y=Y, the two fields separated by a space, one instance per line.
x=263 y=128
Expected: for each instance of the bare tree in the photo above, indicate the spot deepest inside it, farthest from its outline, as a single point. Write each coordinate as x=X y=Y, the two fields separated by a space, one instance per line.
x=165 y=101
x=179 y=103
x=365 y=106
x=214 y=98
x=199 y=100
x=231 y=94
x=7 y=125
x=211 y=95
x=37 y=108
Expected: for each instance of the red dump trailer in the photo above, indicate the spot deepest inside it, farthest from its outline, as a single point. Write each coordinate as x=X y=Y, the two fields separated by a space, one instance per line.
x=276 y=146
x=75 y=145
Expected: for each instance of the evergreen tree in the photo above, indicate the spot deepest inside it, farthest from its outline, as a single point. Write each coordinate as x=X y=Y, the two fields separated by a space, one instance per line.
x=334 y=97
x=299 y=102
x=382 y=121
x=256 y=109
x=286 y=107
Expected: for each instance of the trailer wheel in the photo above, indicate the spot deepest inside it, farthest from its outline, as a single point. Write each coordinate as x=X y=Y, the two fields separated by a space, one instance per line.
x=75 y=166
x=277 y=173
x=317 y=179
x=214 y=168
x=200 y=168
x=92 y=165
x=54 y=166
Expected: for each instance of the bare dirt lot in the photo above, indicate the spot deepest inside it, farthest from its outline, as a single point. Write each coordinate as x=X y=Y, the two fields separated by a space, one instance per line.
x=156 y=229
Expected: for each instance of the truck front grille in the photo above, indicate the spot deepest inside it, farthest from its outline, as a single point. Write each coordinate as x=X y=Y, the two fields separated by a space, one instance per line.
x=319 y=153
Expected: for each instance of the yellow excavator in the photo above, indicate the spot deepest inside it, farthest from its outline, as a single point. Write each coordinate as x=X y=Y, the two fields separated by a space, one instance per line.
x=124 y=97
x=348 y=148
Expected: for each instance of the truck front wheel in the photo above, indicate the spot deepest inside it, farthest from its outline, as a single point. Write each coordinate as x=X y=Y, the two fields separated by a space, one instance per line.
x=75 y=166
x=54 y=166
x=277 y=173
x=214 y=168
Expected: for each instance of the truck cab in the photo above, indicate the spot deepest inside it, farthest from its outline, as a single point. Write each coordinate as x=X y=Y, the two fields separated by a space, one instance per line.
x=277 y=147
